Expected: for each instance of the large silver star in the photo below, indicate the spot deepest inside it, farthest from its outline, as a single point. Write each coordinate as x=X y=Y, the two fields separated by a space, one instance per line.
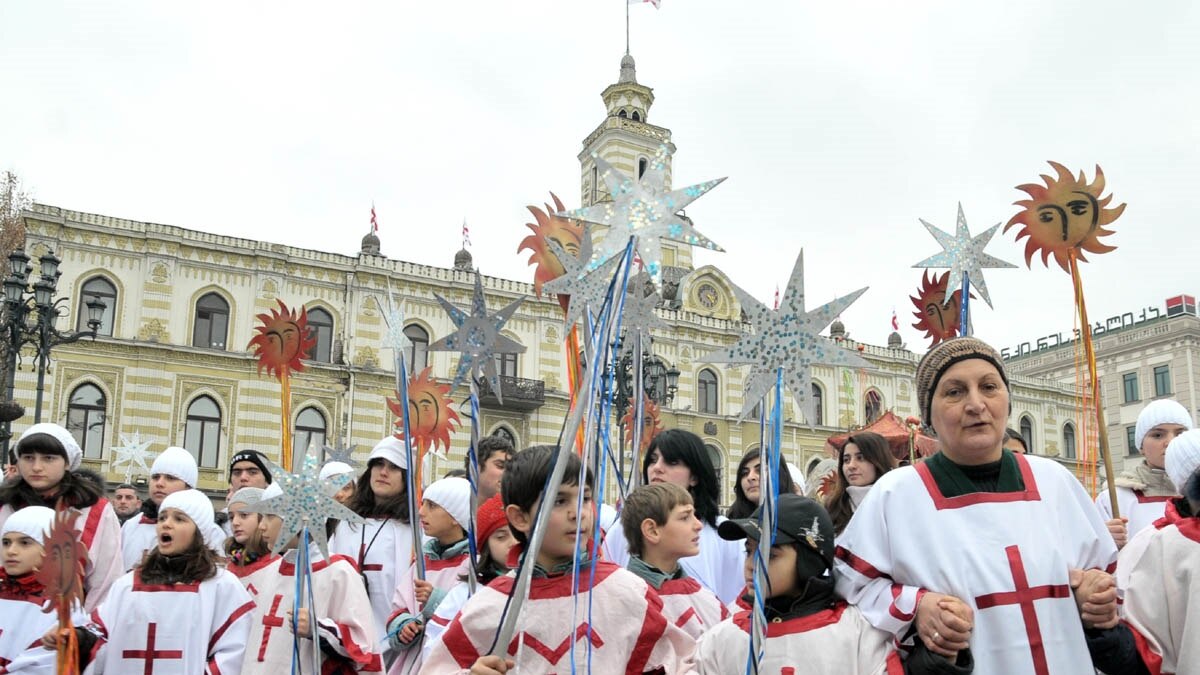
x=586 y=289
x=307 y=501
x=645 y=209
x=787 y=338
x=133 y=453
x=478 y=338
x=639 y=317
x=393 y=317
x=963 y=253
x=339 y=454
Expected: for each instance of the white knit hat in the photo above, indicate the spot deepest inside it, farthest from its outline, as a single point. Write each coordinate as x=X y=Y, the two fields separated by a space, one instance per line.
x=177 y=462
x=194 y=504
x=271 y=491
x=391 y=449
x=247 y=495
x=1183 y=458
x=331 y=469
x=65 y=439
x=454 y=495
x=1162 y=411
x=32 y=521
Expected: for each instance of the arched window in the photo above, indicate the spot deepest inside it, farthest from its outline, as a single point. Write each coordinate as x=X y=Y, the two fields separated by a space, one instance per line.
x=872 y=406
x=418 y=353
x=321 y=323
x=818 y=398
x=211 y=327
x=506 y=433
x=706 y=391
x=202 y=435
x=1068 y=440
x=637 y=117
x=310 y=429
x=86 y=419
x=1027 y=432
x=642 y=162
x=97 y=288
x=622 y=114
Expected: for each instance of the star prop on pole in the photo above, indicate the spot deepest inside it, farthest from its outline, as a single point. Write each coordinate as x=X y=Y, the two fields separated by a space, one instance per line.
x=639 y=318
x=584 y=288
x=345 y=455
x=645 y=209
x=787 y=338
x=478 y=338
x=963 y=254
x=307 y=501
x=132 y=453
x=393 y=317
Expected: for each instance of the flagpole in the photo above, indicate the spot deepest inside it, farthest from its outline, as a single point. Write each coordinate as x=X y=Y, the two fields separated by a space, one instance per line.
x=626 y=27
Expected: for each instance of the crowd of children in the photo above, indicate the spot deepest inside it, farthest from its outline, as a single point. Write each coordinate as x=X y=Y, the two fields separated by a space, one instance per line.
x=182 y=589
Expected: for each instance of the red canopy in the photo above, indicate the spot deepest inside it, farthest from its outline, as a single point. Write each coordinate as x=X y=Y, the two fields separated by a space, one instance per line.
x=895 y=431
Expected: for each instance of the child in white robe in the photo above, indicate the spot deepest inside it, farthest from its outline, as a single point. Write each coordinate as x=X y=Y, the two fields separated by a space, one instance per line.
x=177 y=613
x=807 y=621
x=247 y=556
x=344 y=628
x=445 y=517
x=173 y=470
x=661 y=527
x=48 y=462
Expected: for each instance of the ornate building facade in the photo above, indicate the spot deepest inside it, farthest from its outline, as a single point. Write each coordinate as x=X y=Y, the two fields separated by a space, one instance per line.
x=172 y=363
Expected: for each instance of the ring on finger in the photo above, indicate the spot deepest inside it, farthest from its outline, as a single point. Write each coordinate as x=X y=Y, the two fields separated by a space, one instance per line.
x=935 y=636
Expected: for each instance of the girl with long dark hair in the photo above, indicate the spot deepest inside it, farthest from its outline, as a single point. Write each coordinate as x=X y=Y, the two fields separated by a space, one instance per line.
x=747 y=494
x=862 y=460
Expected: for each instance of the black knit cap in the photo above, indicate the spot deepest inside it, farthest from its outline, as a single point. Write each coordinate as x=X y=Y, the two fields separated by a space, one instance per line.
x=254 y=457
x=939 y=359
x=800 y=520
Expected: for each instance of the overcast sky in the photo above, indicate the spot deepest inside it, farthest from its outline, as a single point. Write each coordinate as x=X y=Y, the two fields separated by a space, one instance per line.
x=839 y=124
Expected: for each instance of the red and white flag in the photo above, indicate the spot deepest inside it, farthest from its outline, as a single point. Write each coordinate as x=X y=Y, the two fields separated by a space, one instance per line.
x=656 y=3
x=895 y=321
x=374 y=223
x=466 y=234
x=776 y=296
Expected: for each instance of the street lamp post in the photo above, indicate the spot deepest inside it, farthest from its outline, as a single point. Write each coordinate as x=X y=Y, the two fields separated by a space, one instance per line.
x=659 y=383
x=29 y=317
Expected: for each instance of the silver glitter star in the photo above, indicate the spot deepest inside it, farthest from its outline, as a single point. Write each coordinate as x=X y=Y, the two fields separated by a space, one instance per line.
x=133 y=453
x=787 y=338
x=344 y=455
x=478 y=338
x=393 y=317
x=645 y=209
x=307 y=501
x=639 y=317
x=963 y=253
x=586 y=289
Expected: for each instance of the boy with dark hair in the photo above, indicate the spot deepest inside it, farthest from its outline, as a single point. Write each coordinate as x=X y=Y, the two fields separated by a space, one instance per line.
x=493 y=454
x=628 y=632
x=806 y=619
x=661 y=527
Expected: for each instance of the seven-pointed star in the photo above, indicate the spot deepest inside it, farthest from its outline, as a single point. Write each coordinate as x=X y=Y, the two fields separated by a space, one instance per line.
x=478 y=338
x=133 y=453
x=586 y=289
x=963 y=253
x=787 y=338
x=306 y=501
x=645 y=209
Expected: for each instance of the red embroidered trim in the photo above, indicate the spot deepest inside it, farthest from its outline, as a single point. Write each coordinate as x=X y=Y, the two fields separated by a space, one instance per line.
x=93 y=522
x=803 y=624
x=940 y=502
x=242 y=571
x=161 y=588
x=859 y=565
x=237 y=614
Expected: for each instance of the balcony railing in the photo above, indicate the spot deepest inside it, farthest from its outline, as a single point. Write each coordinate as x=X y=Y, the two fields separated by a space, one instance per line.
x=518 y=393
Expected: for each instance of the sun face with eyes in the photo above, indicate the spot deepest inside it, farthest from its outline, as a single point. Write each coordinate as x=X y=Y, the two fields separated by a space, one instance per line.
x=567 y=233
x=1064 y=214
x=282 y=339
x=935 y=315
x=431 y=416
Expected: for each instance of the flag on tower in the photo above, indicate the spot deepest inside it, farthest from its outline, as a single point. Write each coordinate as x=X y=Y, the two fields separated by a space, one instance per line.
x=776 y=296
x=656 y=3
x=374 y=223
x=466 y=234
x=895 y=321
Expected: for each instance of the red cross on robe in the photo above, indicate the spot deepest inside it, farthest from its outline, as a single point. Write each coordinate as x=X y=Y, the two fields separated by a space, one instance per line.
x=1025 y=595
x=271 y=621
x=149 y=655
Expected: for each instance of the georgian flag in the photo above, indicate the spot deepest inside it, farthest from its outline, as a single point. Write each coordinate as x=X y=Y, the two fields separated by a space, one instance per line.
x=656 y=3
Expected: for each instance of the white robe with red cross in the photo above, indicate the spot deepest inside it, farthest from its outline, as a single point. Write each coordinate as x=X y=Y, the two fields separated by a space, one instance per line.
x=22 y=625
x=100 y=533
x=835 y=640
x=691 y=606
x=1007 y=555
x=718 y=566
x=382 y=550
x=444 y=576
x=628 y=632
x=344 y=620
x=140 y=534
x=1162 y=602
x=177 y=629
x=1128 y=557
x=1141 y=510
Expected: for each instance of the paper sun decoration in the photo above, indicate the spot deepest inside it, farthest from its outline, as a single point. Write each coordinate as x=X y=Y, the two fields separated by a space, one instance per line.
x=964 y=253
x=132 y=454
x=651 y=423
x=936 y=315
x=282 y=340
x=646 y=209
x=1066 y=213
x=478 y=338
x=431 y=415
x=66 y=558
x=581 y=287
x=307 y=501
x=787 y=338
x=567 y=233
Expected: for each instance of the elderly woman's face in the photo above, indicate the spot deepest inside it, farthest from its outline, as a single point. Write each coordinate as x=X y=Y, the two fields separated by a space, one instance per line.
x=970 y=411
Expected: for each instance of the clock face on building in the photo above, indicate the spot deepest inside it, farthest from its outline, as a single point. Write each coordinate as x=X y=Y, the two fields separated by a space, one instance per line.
x=707 y=295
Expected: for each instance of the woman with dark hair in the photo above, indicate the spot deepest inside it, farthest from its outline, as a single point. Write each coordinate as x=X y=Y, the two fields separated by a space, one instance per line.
x=382 y=546
x=746 y=490
x=862 y=460
x=679 y=457
x=48 y=459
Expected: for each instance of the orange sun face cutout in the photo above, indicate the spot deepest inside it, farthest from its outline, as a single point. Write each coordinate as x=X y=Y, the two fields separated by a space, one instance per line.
x=1066 y=213
x=431 y=416
x=937 y=317
x=651 y=423
x=66 y=557
x=282 y=339
x=568 y=234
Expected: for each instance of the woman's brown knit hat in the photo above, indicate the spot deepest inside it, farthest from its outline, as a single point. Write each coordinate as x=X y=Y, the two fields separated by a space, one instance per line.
x=944 y=355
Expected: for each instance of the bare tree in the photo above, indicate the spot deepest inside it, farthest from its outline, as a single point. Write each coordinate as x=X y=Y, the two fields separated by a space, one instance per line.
x=12 y=200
